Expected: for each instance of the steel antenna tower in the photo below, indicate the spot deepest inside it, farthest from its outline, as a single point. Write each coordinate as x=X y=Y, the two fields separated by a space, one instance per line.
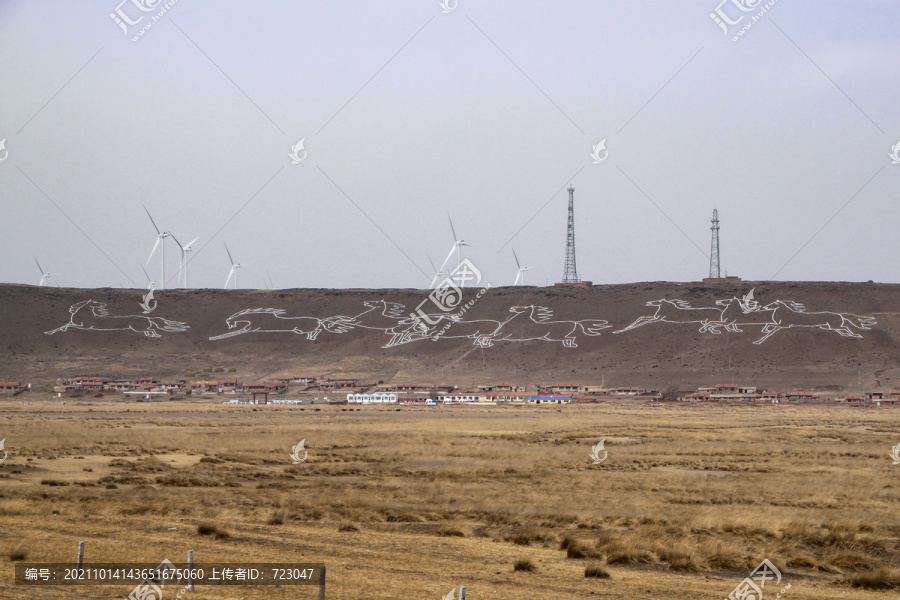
x=570 y=274
x=714 y=270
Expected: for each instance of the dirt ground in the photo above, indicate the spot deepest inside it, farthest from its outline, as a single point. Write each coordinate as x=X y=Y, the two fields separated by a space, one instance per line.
x=414 y=502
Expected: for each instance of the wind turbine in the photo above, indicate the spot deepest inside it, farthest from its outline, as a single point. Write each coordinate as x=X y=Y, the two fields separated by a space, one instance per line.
x=521 y=273
x=457 y=243
x=233 y=272
x=184 y=256
x=160 y=238
x=45 y=277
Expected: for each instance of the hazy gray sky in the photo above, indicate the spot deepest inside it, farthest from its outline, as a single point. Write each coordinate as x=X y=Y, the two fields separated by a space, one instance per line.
x=486 y=112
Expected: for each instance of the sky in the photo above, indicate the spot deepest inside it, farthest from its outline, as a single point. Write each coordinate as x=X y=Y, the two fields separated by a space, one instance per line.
x=410 y=111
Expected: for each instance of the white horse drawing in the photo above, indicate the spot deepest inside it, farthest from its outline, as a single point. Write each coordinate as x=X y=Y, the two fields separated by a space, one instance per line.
x=93 y=315
x=734 y=313
x=540 y=326
x=273 y=320
x=679 y=311
x=788 y=315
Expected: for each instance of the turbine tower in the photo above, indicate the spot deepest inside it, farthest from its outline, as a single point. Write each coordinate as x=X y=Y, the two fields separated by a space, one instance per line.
x=437 y=274
x=185 y=259
x=570 y=273
x=160 y=238
x=714 y=270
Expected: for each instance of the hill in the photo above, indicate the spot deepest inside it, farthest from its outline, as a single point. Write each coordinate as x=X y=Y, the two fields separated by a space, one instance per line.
x=811 y=335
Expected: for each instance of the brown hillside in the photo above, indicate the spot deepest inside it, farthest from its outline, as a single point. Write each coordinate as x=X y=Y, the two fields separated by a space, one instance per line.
x=660 y=355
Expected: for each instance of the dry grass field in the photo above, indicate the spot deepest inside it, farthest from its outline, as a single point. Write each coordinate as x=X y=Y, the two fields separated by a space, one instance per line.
x=416 y=501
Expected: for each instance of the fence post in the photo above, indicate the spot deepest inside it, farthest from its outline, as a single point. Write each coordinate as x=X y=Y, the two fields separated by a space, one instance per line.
x=80 y=560
x=322 y=585
x=190 y=585
x=462 y=593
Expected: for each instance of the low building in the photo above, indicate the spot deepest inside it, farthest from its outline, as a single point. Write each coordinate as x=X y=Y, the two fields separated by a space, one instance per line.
x=501 y=387
x=627 y=391
x=769 y=397
x=230 y=385
x=460 y=398
x=851 y=400
x=11 y=388
x=403 y=387
x=797 y=396
x=295 y=380
x=892 y=397
x=373 y=398
x=549 y=399
x=204 y=386
x=557 y=388
x=503 y=397
x=731 y=393
x=597 y=390
x=338 y=384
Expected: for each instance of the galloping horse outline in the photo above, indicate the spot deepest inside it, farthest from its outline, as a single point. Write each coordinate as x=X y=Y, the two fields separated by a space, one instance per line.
x=99 y=319
x=258 y=319
x=680 y=311
x=735 y=312
x=541 y=327
x=788 y=315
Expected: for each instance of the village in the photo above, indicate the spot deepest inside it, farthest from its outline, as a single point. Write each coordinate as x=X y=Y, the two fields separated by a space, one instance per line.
x=315 y=390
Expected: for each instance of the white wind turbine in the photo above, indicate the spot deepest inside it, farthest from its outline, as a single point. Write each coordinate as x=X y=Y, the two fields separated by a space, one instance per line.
x=521 y=273
x=160 y=238
x=185 y=259
x=233 y=272
x=45 y=277
x=457 y=244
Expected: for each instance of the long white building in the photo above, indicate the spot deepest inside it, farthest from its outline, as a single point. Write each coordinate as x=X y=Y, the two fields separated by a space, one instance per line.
x=375 y=398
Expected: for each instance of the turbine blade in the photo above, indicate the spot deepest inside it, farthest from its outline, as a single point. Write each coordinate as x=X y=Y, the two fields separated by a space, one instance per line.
x=230 y=273
x=191 y=243
x=455 y=239
x=177 y=242
x=449 y=256
x=517 y=259
x=152 y=252
x=431 y=262
x=152 y=221
x=231 y=260
x=38 y=265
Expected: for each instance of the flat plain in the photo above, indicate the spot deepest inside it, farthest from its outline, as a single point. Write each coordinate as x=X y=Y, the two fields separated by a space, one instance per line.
x=413 y=502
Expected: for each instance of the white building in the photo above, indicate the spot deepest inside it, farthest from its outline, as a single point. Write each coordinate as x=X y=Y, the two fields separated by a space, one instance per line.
x=376 y=398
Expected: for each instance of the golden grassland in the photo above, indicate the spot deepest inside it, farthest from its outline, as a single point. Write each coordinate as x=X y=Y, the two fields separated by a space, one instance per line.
x=416 y=501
